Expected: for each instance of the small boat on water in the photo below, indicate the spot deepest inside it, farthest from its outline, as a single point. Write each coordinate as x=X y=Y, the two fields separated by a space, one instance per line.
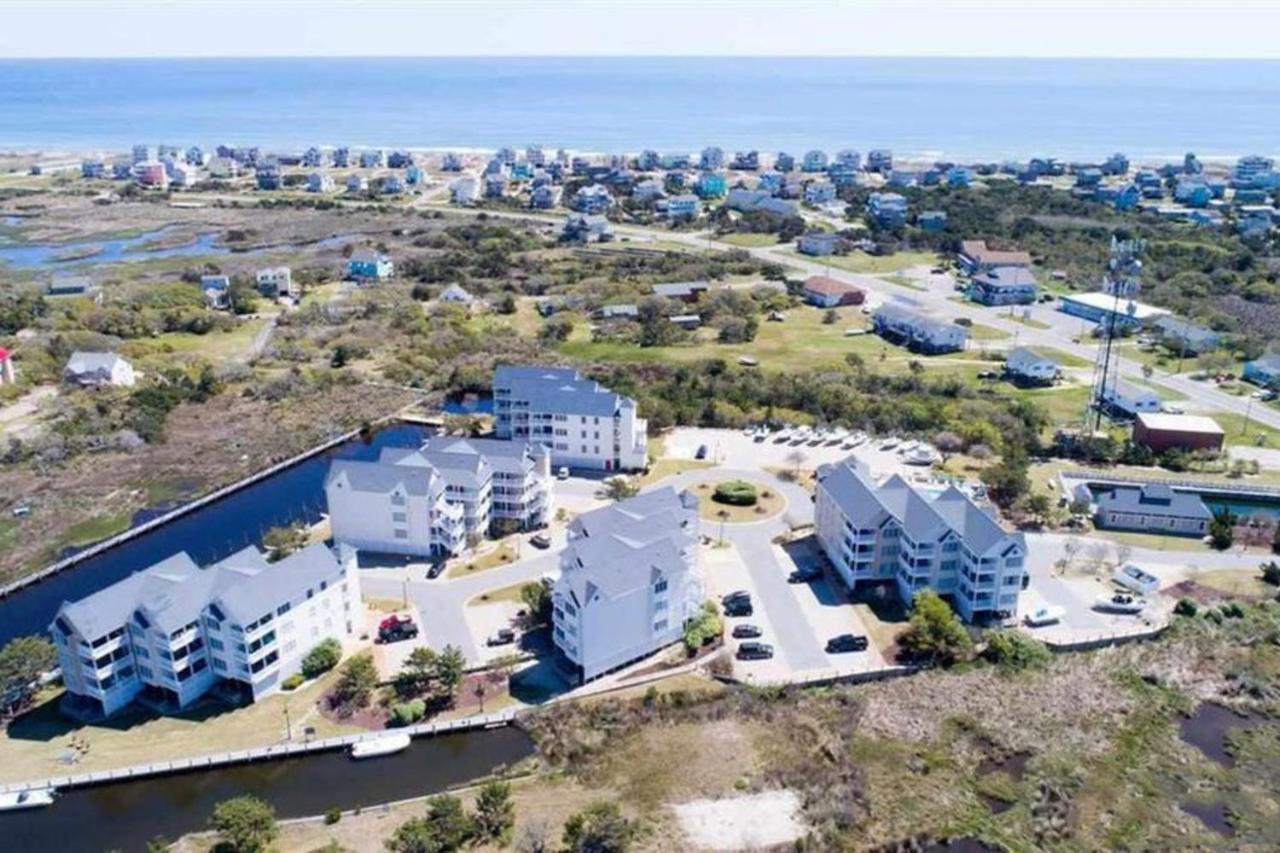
x=29 y=799
x=1119 y=603
x=384 y=745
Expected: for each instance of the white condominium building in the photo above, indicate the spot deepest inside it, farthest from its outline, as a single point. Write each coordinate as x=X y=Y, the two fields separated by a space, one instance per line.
x=169 y=634
x=918 y=539
x=584 y=424
x=629 y=581
x=428 y=501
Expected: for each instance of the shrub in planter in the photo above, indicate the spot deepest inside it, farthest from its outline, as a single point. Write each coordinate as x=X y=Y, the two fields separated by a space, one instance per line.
x=322 y=658
x=293 y=682
x=408 y=713
x=736 y=493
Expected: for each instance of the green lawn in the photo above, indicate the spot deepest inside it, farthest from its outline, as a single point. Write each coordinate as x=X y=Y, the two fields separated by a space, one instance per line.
x=749 y=241
x=979 y=332
x=1238 y=434
x=1065 y=359
x=215 y=346
x=861 y=262
x=1065 y=404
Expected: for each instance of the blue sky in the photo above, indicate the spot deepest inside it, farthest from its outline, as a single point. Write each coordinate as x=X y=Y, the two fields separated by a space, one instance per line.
x=193 y=28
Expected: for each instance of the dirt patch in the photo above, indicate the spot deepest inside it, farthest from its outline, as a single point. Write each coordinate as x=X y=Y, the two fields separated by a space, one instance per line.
x=742 y=823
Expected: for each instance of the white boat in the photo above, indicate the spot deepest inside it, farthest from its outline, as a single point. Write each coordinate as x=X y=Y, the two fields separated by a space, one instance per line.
x=384 y=745
x=889 y=444
x=1118 y=602
x=1042 y=616
x=30 y=799
x=782 y=437
x=920 y=456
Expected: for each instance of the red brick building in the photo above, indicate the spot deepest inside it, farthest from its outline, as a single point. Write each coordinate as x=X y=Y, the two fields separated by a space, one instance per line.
x=1162 y=432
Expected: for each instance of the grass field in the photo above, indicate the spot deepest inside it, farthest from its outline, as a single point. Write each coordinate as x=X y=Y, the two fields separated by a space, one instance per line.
x=510 y=592
x=861 y=262
x=503 y=555
x=749 y=241
x=215 y=346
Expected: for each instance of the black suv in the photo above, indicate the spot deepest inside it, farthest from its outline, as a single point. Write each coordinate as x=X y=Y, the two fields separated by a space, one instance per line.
x=755 y=651
x=738 y=607
x=808 y=574
x=746 y=632
x=846 y=643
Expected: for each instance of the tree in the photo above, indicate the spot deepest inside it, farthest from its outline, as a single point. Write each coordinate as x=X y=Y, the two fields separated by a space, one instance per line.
x=244 y=824
x=948 y=443
x=936 y=634
x=22 y=661
x=1275 y=540
x=536 y=596
x=617 y=488
x=284 y=540
x=599 y=828
x=1039 y=504
x=418 y=670
x=556 y=329
x=795 y=458
x=1007 y=479
x=1222 y=529
x=451 y=666
x=355 y=685
x=495 y=812
x=1014 y=650
x=830 y=317
x=323 y=657
x=505 y=303
x=445 y=827
x=1270 y=573
x=242 y=295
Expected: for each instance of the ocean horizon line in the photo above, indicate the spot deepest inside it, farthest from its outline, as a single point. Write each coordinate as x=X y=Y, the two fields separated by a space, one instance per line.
x=624 y=57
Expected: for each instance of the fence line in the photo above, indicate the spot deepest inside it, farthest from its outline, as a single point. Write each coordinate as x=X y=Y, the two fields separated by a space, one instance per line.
x=275 y=751
x=1101 y=475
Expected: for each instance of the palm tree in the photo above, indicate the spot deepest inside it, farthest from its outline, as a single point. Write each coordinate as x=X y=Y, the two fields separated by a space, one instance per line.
x=796 y=458
x=723 y=515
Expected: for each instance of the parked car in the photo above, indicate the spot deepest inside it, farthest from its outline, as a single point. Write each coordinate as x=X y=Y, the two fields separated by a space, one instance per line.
x=737 y=593
x=701 y=452
x=739 y=607
x=562 y=473
x=755 y=651
x=808 y=574
x=1043 y=616
x=746 y=631
x=847 y=643
x=396 y=627
x=540 y=540
x=502 y=637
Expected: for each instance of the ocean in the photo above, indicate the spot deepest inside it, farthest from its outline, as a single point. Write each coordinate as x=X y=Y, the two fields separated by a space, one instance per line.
x=990 y=109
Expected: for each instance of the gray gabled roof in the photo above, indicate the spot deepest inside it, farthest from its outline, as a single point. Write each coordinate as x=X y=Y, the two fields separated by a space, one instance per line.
x=558 y=390
x=419 y=480
x=1154 y=499
x=1023 y=357
x=252 y=587
x=979 y=531
x=109 y=608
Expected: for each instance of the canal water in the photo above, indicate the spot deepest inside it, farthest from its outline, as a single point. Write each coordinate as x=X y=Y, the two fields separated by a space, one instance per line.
x=36 y=255
x=207 y=534
x=125 y=815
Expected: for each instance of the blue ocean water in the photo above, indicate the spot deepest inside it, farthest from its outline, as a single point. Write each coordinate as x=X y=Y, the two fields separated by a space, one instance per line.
x=962 y=108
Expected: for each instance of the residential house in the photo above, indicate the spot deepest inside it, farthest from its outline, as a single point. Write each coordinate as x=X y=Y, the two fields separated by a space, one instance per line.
x=880 y=160
x=223 y=168
x=392 y=185
x=902 y=179
x=166 y=636
x=1192 y=191
x=268 y=176
x=275 y=282
x=495 y=185
x=1253 y=171
x=592 y=199
x=313 y=158
x=932 y=221
x=143 y=153
x=746 y=161
x=319 y=182
x=819 y=192
x=751 y=201
x=917 y=330
x=357 y=184
x=814 y=161
x=771 y=182
x=675 y=161
x=817 y=243
x=1127 y=198
x=7 y=373
x=648 y=190
x=826 y=292
x=450 y=162
x=648 y=161
x=1116 y=164
x=396 y=505
x=684 y=291
x=629 y=581
x=1161 y=432
x=1089 y=178
x=1152 y=508
x=1004 y=286
x=847 y=158
x=369 y=265
x=151 y=173
x=92 y=369
x=959 y=176
x=916 y=539
x=1263 y=370
x=464 y=191
x=624 y=311
x=975 y=257
x=341 y=157
x=73 y=287
x=784 y=162
x=1127 y=400
x=93 y=169
x=584 y=424
x=217 y=291
x=584 y=228
x=545 y=197
x=684 y=207
x=887 y=210
x=712 y=158
x=373 y=159
x=711 y=185
x=1183 y=336
x=1025 y=366
x=400 y=160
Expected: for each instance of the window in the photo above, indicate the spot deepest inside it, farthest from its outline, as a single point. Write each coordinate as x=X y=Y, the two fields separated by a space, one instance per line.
x=400 y=517
x=219 y=664
x=401 y=534
x=215 y=644
x=661 y=585
x=283 y=609
x=397 y=500
x=660 y=625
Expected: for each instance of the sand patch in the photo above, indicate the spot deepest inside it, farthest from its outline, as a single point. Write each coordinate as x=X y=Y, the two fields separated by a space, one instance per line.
x=741 y=823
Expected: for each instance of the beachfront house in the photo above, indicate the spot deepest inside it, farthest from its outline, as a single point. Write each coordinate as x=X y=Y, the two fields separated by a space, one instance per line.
x=1126 y=400
x=275 y=282
x=94 y=369
x=584 y=424
x=1152 y=508
x=917 y=330
x=1024 y=366
x=817 y=243
x=879 y=160
x=168 y=635
x=648 y=190
x=320 y=182
x=975 y=257
x=369 y=265
x=711 y=185
x=819 y=192
x=629 y=581
x=826 y=292
x=373 y=159
x=746 y=161
x=1263 y=370
x=464 y=191
x=814 y=161
x=784 y=162
x=1004 y=286
x=887 y=210
x=918 y=539
x=357 y=184
x=712 y=158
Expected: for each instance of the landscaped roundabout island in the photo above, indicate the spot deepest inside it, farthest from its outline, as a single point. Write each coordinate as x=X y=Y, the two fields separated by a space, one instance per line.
x=738 y=501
